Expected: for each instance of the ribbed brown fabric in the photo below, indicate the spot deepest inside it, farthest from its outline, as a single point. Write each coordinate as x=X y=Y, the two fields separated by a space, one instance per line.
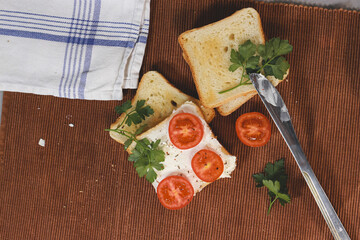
x=81 y=186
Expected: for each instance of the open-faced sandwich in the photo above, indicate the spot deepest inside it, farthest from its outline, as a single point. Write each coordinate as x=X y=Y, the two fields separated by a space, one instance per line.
x=193 y=156
x=177 y=153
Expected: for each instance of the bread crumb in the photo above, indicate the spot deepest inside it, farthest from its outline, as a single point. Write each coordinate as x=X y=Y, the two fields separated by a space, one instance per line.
x=71 y=125
x=41 y=142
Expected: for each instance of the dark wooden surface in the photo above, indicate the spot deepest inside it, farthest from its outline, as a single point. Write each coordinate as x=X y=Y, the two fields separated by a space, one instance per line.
x=81 y=186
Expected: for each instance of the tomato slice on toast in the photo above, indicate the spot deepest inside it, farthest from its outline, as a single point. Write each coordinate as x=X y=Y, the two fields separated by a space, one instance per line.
x=207 y=165
x=185 y=130
x=175 y=192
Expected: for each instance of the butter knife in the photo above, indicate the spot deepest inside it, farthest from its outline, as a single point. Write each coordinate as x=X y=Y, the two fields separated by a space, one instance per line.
x=280 y=114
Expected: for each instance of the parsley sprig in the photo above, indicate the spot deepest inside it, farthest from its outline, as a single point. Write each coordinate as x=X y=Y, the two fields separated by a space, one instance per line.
x=274 y=178
x=267 y=59
x=146 y=155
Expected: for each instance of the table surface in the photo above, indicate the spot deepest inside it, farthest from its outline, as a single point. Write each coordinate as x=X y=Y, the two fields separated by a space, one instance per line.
x=81 y=186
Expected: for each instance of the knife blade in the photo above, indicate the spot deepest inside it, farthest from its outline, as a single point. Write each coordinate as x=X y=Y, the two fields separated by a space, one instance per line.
x=280 y=115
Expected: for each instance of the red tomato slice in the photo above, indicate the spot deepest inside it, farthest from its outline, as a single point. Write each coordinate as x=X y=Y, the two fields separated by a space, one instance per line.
x=207 y=165
x=175 y=192
x=253 y=129
x=185 y=130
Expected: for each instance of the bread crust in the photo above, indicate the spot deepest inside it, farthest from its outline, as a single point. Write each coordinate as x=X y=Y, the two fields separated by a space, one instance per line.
x=187 y=58
x=210 y=113
x=223 y=109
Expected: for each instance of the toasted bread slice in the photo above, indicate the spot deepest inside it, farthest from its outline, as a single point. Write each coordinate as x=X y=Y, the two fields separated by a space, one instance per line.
x=230 y=107
x=163 y=98
x=178 y=161
x=207 y=51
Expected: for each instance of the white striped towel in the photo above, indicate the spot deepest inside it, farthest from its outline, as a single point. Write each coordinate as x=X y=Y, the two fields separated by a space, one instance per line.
x=82 y=49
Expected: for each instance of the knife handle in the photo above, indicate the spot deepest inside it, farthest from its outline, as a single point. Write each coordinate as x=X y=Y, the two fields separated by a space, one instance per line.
x=337 y=229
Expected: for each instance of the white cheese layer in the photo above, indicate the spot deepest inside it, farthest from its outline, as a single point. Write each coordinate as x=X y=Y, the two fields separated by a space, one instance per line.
x=177 y=161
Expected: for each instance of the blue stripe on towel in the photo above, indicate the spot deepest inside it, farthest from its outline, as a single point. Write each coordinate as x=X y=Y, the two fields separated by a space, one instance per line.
x=72 y=59
x=88 y=52
x=57 y=38
x=69 y=23
x=49 y=16
x=142 y=39
x=54 y=26
x=81 y=52
x=66 y=51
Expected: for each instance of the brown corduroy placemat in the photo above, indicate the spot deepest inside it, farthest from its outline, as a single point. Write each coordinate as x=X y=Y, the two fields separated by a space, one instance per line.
x=81 y=186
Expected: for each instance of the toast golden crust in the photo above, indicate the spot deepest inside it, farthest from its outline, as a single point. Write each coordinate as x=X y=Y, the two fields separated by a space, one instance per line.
x=163 y=97
x=211 y=98
x=229 y=107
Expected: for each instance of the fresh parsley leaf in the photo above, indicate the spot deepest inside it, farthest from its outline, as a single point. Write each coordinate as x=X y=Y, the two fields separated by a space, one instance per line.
x=127 y=143
x=274 y=179
x=248 y=57
x=143 y=111
x=273 y=170
x=123 y=108
x=137 y=114
x=277 y=67
x=259 y=177
x=158 y=166
x=133 y=118
x=233 y=67
x=280 y=47
x=147 y=156
x=273 y=187
x=157 y=156
x=284 y=197
x=282 y=180
x=244 y=58
x=155 y=144
x=134 y=155
x=151 y=175
x=264 y=52
x=140 y=104
x=274 y=48
x=145 y=141
x=140 y=129
x=252 y=65
x=246 y=50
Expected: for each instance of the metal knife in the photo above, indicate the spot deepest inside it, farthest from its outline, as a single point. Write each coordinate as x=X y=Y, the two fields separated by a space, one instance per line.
x=280 y=114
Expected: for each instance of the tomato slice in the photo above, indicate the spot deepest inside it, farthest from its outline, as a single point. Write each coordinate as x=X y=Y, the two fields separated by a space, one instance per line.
x=175 y=192
x=253 y=129
x=185 y=130
x=207 y=165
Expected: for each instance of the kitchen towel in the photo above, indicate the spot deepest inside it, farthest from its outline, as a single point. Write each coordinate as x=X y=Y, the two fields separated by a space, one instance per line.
x=81 y=49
